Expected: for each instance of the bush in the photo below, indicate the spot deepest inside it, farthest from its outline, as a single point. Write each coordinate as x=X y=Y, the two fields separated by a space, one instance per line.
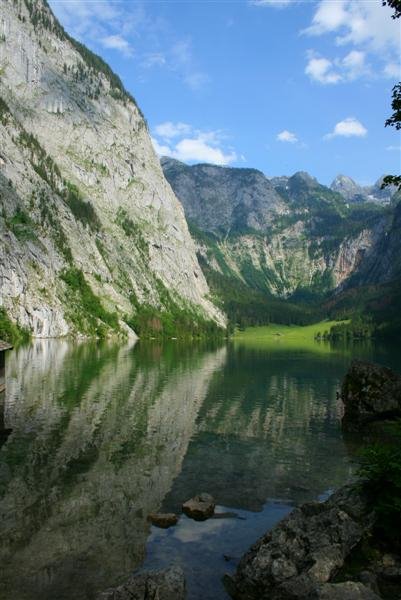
x=10 y=332
x=87 y=312
x=381 y=473
x=21 y=225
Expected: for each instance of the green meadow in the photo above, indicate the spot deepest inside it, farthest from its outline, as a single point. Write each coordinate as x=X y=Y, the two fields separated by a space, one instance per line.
x=295 y=336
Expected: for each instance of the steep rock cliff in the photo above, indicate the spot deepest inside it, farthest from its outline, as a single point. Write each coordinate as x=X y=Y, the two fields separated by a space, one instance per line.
x=224 y=200
x=307 y=238
x=88 y=221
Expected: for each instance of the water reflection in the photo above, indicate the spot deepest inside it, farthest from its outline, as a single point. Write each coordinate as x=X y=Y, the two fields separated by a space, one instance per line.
x=268 y=428
x=99 y=434
x=103 y=434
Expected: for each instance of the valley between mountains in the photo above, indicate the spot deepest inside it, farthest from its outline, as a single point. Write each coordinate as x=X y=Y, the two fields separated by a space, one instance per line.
x=97 y=238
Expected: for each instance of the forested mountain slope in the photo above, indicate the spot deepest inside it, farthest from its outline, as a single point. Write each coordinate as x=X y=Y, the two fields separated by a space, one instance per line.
x=260 y=241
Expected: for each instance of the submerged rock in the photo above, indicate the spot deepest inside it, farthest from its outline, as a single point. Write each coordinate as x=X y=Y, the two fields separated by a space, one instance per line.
x=370 y=393
x=168 y=584
x=199 y=507
x=304 y=551
x=163 y=520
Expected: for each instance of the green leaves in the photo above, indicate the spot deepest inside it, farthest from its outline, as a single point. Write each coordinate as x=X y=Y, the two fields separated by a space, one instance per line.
x=381 y=470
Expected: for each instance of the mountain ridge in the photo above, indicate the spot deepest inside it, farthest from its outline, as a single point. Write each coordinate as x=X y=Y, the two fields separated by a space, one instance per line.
x=311 y=245
x=353 y=192
x=84 y=200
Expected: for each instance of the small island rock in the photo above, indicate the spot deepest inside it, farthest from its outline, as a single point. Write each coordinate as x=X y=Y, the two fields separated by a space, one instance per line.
x=199 y=507
x=370 y=393
x=163 y=520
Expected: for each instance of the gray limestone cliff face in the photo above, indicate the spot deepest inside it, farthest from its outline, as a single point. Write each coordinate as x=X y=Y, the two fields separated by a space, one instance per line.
x=348 y=188
x=80 y=185
x=384 y=264
x=223 y=200
x=281 y=235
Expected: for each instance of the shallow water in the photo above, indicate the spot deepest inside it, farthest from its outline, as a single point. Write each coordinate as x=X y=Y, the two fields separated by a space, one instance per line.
x=103 y=434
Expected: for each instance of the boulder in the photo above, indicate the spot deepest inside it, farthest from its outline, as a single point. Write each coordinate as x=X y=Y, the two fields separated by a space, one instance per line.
x=163 y=520
x=349 y=590
x=199 y=507
x=304 y=551
x=370 y=393
x=168 y=584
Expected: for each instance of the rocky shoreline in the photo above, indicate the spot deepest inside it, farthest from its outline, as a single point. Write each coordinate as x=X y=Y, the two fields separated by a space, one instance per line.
x=329 y=550
x=301 y=555
x=322 y=550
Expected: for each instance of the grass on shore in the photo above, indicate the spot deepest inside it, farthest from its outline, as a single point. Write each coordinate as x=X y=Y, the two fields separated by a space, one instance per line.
x=285 y=335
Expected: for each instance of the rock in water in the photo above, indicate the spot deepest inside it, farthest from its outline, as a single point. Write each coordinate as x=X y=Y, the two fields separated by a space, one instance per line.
x=199 y=507
x=168 y=584
x=346 y=591
x=304 y=551
x=163 y=520
x=370 y=393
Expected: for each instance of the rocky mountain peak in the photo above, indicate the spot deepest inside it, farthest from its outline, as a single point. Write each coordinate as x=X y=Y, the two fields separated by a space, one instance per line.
x=302 y=177
x=224 y=200
x=348 y=188
x=343 y=182
x=83 y=201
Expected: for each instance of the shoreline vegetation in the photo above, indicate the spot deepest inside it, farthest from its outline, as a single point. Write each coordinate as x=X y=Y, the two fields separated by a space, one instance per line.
x=11 y=332
x=155 y=325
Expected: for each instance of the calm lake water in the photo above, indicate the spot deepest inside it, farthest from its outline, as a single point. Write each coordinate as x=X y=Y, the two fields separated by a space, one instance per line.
x=103 y=434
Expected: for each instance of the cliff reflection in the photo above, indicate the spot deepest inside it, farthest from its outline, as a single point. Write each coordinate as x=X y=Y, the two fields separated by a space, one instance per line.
x=99 y=435
x=269 y=428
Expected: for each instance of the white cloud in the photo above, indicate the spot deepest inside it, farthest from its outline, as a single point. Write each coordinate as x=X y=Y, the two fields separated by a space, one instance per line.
x=340 y=70
x=197 y=149
x=117 y=42
x=170 y=130
x=392 y=70
x=368 y=28
x=357 y=23
x=322 y=70
x=354 y=64
x=181 y=141
x=328 y=17
x=349 y=127
x=394 y=148
x=287 y=136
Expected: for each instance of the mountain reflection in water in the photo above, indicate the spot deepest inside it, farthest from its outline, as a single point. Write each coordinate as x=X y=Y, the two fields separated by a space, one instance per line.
x=103 y=434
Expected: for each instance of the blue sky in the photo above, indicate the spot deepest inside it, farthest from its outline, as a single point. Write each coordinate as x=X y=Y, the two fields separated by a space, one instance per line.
x=279 y=85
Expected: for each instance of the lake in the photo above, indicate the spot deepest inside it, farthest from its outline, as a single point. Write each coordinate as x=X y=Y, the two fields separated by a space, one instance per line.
x=104 y=433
